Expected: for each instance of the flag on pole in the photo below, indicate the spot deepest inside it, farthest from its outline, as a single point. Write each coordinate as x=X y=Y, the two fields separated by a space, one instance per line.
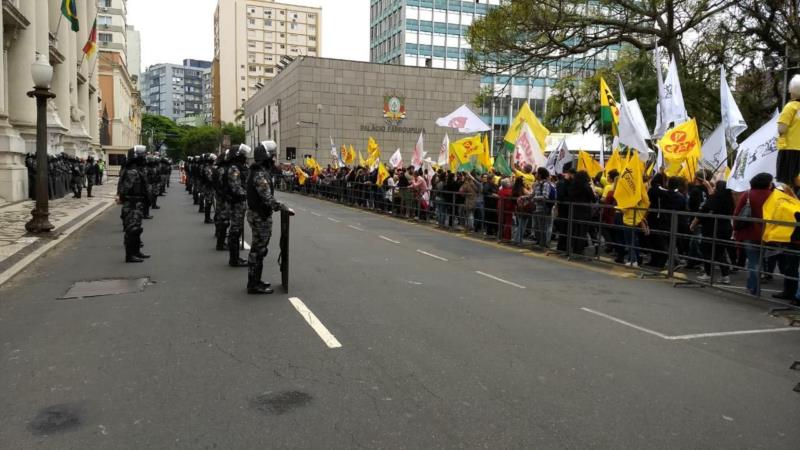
x=614 y=163
x=396 y=160
x=485 y=159
x=673 y=109
x=501 y=165
x=526 y=117
x=630 y=129
x=301 y=176
x=587 y=164
x=419 y=153
x=628 y=192
x=69 y=8
x=758 y=153
x=351 y=155
x=559 y=158
x=465 y=148
x=714 y=152
x=373 y=149
x=444 y=151
x=661 y=126
x=609 y=112
x=91 y=45
x=732 y=118
x=681 y=142
x=383 y=174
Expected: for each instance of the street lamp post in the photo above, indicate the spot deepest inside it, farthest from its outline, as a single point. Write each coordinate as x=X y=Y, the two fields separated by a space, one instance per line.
x=316 y=132
x=42 y=74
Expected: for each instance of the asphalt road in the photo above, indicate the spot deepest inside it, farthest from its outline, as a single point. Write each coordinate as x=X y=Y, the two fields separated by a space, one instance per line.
x=445 y=343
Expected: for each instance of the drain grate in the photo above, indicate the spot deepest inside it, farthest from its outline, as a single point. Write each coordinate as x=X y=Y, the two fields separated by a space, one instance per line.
x=99 y=288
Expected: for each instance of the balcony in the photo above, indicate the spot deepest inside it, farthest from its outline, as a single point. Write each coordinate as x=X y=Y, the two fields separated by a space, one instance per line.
x=13 y=17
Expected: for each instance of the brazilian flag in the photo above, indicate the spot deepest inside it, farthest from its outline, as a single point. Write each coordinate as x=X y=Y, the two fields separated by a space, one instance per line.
x=70 y=10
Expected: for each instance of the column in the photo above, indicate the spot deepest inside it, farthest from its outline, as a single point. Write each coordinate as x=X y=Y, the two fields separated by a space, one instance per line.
x=92 y=113
x=61 y=72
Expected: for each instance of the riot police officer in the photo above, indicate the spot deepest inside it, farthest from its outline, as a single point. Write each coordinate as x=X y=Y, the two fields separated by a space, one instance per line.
x=208 y=186
x=260 y=205
x=237 y=196
x=222 y=212
x=187 y=170
x=91 y=175
x=132 y=194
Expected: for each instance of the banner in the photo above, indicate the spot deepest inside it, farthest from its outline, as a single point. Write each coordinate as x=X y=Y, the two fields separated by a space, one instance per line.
x=419 y=153
x=396 y=160
x=681 y=142
x=758 y=153
x=444 y=151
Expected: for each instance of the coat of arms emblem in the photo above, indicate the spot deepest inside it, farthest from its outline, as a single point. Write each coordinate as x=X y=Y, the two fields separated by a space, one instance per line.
x=394 y=109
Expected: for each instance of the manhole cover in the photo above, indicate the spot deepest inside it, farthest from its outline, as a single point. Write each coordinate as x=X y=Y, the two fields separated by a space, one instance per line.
x=99 y=288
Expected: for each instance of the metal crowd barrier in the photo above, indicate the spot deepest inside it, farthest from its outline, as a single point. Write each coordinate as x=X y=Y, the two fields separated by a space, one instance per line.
x=579 y=231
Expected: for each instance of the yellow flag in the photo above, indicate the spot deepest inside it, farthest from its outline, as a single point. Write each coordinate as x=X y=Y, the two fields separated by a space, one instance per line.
x=301 y=176
x=467 y=148
x=485 y=158
x=681 y=142
x=348 y=155
x=373 y=150
x=383 y=174
x=361 y=161
x=614 y=163
x=781 y=207
x=588 y=164
x=629 y=189
x=609 y=112
x=312 y=163
x=674 y=169
x=525 y=115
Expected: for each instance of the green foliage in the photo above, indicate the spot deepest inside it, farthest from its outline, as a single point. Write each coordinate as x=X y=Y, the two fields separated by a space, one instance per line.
x=160 y=130
x=199 y=140
x=235 y=131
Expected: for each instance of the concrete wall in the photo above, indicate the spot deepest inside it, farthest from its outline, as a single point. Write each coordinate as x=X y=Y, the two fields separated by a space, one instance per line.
x=352 y=95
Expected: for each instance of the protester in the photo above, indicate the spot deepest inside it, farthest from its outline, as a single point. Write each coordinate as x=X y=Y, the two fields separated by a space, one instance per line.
x=581 y=194
x=507 y=208
x=523 y=209
x=788 y=166
x=716 y=232
x=544 y=197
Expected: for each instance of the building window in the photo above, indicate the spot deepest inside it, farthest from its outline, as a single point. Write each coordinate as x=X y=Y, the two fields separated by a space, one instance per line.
x=106 y=38
x=104 y=20
x=105 y=4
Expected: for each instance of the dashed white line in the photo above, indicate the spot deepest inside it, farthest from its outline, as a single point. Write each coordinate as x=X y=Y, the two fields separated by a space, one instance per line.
x=432 y=255
x=500 y=280
x=686 y=337
x=355 y=228
x=387 y=239
x=326 y=336
x=315 y=214
x=334 y=220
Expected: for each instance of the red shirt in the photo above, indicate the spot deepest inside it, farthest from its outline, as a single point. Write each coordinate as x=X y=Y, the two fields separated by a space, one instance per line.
x=755 y=230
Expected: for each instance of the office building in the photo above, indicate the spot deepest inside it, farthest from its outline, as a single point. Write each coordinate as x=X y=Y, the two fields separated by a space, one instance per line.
x=316 y=99
x=134 y=53
x=250 y=38
x=428 y=33
x=177 y=91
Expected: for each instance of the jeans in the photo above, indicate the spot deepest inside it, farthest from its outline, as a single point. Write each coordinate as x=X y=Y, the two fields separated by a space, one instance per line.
x=753 y=260
x=520 y=225
x=543 y=227
x=632 y=243
x=441 y=212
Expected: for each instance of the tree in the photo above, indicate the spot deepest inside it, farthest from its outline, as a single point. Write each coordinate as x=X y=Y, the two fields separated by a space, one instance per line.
x=199 y=140
x=523 y=35
x=160 y=130
x=236 y=132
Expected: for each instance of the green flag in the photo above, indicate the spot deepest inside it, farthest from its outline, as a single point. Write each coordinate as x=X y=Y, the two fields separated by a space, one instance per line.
x=501 y=165
x=69 y=9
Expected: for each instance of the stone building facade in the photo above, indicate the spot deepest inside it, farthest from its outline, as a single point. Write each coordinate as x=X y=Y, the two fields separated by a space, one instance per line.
x=28 y=28
x=350 y=101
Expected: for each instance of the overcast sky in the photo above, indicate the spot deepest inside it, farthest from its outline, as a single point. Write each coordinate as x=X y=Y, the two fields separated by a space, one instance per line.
x=173 y=30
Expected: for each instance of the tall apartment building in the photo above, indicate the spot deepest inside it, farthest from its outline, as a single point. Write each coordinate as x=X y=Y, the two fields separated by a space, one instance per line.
x=121 y=103
x=429 y=33
x=177 y=91
x=250 y=37
x=134 y=39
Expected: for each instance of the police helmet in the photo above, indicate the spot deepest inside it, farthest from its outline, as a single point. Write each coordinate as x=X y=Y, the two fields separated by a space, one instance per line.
x=241 y=153
x=211 y=157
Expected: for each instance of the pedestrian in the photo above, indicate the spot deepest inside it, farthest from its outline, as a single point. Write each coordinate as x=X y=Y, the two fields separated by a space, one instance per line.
x=544 y=198
x=659 y=219
x=490 y=206
x=581 y=194
x=237 y=194
x=507 y=207
x=523 y=208
x=788 y=165
x=749 y=232
x=132 y=195
x=716 y=232
x=260 y=206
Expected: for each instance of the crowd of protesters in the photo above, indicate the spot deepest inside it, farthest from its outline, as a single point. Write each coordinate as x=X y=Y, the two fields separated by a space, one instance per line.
x=682 y=223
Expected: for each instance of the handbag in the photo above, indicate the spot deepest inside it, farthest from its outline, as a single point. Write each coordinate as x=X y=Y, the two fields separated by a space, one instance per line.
x=526 y=204
x=745 y=213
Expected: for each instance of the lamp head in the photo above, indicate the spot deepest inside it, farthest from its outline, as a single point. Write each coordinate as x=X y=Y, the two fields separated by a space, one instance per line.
x=41 y=72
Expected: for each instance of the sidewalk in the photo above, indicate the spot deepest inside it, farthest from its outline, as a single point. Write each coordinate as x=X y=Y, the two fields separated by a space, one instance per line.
x=18 y=248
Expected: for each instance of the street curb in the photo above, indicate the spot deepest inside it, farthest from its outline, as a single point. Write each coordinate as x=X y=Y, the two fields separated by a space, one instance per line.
x=29 y=259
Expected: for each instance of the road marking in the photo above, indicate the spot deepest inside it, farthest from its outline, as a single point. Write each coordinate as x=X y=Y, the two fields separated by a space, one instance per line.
x=686 y=337
x=326 y=336
x=315 y=214
x=302 y=209
x=387 y=239
x=500 y=280
x=627 y=324
x=355 y=228
x=334 y=220
x=432 y=255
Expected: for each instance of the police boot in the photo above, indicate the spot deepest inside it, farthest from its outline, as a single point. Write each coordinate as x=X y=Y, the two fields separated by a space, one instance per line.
x=222 y=245
x=233 y=249
x=138 y=247
x=260 y=271
x=254 y=285
x=208 y=214
x=130 y=252
x=89 y=191
x=202 y=205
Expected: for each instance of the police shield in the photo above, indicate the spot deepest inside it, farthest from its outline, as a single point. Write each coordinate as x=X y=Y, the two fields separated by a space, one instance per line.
x=283 y=258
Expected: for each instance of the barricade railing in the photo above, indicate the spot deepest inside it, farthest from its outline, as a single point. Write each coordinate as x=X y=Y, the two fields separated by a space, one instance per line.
x=657 y=242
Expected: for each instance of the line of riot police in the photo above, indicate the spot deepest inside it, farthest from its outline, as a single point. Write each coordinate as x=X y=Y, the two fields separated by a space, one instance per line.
x=234 y=190
x=66 y=173
x=142 y=179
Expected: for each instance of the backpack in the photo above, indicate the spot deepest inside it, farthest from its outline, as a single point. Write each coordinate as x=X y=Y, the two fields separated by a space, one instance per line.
x=525 y=204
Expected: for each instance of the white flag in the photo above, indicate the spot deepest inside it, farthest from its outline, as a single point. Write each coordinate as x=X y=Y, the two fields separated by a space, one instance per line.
x=757 y=154
x=673 y=110
x=396 y=160
x=335 y=155
x=559 y=158
x=419 y=153
x=630 y=125
x=661 y=126
x=444 y=151
x=714 y=150
x=732 y=119
x=525 y=147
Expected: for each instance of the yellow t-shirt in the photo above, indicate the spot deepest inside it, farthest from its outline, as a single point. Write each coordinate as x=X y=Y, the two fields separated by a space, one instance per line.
x=790 y=116
x=527 y=178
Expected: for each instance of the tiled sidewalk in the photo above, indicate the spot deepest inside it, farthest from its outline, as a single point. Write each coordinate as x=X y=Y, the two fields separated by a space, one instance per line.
x=65 y=213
